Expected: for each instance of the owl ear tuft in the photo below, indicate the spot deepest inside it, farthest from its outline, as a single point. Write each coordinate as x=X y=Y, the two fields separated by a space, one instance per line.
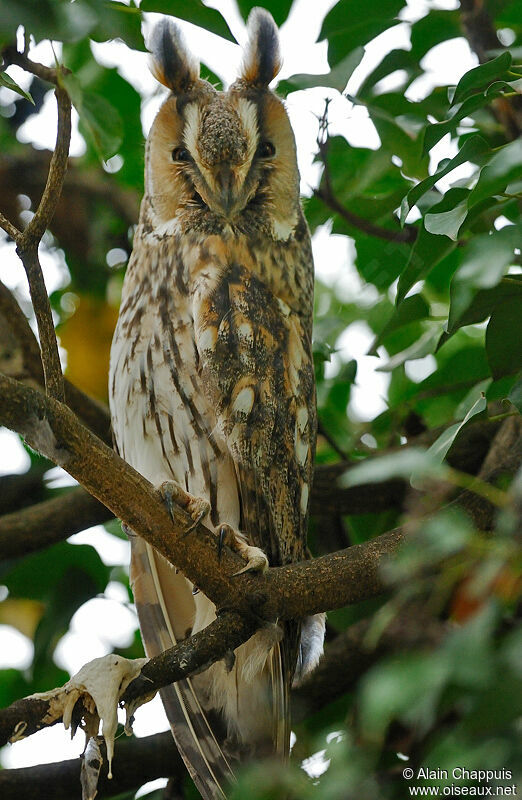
x=173 y=64
x=262 y=58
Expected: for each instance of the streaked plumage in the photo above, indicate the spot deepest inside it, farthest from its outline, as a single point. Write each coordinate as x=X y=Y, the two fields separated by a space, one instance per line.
x=211 y=378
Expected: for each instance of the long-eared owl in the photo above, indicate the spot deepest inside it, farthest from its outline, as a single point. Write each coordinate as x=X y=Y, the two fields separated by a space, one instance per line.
x=212 y=385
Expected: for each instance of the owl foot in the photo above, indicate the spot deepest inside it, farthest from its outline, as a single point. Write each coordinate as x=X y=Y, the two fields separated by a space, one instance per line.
x=254 y=556
x=196 y=507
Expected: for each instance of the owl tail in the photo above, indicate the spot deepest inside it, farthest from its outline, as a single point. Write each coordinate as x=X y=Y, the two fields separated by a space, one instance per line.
x=208 y=766
x=252 y=699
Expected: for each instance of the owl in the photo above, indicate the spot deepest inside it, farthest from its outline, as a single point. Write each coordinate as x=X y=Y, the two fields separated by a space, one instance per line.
x=212 y=386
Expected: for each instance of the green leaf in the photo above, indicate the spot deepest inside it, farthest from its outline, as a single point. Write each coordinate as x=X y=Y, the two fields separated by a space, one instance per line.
x=419 y=349
x=278 y=8
x=98 y=117
x=192 y=11
x=378 y=262
x=117 y=20
x=483 y=304
x=351 y=23
x=483 y=261
x=511 y=15
x=392 y=61
x=504 y=167
x=473 y=150
x=405 y=687
x=9 y=83
x=503 y=339
x=412 y=309
x=481 y=76
x=46 y=19
x=394 y=465
x=432 y=29
x=515 y=395
x=441 y=446
x=437 y=130
x=428 y=249
x=447 y=223
x=337 y=78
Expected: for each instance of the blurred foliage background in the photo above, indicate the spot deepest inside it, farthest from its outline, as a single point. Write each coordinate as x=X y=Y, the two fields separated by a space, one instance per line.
x=431 y=674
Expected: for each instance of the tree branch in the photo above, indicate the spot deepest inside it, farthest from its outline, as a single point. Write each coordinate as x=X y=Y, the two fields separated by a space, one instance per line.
x=283 y=592
x=54 y=520
x=326 y=194
x=332 y=581
x=21 y=359
x=27 y=248
x=12 y=56
x=136 y=761
x=195 y=654
x=27 y=242
x=43 y=524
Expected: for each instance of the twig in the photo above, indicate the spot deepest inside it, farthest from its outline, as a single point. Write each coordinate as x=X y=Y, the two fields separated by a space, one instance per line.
x=55 y=178
x=28 y=241
x=9 y=228
x=326 y=193
x=12 y=56
x=27 y=249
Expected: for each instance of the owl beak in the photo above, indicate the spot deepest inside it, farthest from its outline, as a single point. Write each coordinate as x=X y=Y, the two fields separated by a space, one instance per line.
x=226 y=189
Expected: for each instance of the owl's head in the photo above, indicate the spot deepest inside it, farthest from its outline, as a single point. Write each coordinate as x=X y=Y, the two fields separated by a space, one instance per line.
x=218 y=160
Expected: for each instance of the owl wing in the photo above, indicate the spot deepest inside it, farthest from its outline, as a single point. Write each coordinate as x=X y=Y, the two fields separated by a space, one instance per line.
x=256 y=362
x=257 y=369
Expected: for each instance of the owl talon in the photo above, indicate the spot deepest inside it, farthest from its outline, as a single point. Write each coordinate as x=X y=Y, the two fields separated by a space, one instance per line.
x=198 y=508
x=257 y=562
x=221 y=541
x=254 y=556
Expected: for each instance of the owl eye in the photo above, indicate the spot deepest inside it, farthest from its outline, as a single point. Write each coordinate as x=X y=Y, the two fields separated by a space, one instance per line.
x=265 y=150
x=180 y=154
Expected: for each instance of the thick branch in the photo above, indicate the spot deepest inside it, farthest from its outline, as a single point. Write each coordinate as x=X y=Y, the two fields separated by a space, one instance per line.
x=54 y=520
x=335 y=580
x=284 y=592
x=136 y=762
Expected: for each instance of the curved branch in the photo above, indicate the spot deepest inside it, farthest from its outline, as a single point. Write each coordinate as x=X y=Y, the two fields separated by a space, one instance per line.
x=408 y=234
x=27 y=248
x=55 y=178
x=12 y=56
x=283 y=592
